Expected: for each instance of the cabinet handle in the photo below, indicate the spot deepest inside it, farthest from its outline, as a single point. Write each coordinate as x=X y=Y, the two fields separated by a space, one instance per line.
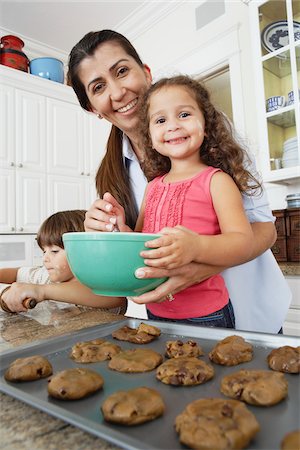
x=12 y=229
x=12 y=164
x=88 y=174
x=21 y=229
x=82 y=173
x=20 y=165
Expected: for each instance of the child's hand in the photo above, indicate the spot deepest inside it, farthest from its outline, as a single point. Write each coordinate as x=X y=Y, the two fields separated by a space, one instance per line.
x=18 y=292
x=174 y=249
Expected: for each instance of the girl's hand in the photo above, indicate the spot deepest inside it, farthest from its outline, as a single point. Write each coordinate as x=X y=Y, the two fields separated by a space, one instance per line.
x=18 y=292
x=175 y=248
x=104 y=214
x=179 y=279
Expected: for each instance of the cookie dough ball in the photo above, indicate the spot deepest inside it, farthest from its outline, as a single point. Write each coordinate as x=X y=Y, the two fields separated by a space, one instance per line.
x=184 y=371
x=285 y=359
x=291 y=441
x=134 y=406
x=135 y=360
x=214 y=423
x=73 y=384
x=133 y=335
x=28 y=369
x=174 y=349
x=149 y=329
x=94 y=351
x=231 y=351
x=256 y=387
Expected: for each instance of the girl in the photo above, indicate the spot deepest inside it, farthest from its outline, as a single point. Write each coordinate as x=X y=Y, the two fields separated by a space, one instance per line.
x=194 y=198
x=55 y=270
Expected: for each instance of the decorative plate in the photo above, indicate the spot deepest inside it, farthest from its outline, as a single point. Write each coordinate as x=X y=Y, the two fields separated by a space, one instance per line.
x=275 y=35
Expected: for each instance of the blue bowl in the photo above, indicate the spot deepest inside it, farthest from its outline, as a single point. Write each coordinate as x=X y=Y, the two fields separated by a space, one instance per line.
x=106 y=262
x=49 y=68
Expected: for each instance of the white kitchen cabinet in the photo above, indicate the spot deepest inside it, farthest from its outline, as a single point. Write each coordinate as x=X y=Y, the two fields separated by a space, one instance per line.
x=50 y=151
x=276 y=51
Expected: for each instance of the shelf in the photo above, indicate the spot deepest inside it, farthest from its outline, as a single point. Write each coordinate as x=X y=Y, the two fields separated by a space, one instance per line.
x=283 y=176
x=285 y=117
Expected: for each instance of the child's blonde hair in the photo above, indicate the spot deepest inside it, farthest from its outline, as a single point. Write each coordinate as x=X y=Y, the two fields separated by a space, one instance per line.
x=219 y=148
x=52 y=229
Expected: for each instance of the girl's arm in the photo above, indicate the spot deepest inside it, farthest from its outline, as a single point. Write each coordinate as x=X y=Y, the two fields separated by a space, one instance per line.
x=69 y=291
x=8 y=275
x=180 y=246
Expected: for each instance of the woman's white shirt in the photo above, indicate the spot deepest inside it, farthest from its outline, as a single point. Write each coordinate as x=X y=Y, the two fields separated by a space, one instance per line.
x=258 y=290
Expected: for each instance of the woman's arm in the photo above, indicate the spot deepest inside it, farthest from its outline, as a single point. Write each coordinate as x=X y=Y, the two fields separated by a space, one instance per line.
x=70 y=292
x=8 y=275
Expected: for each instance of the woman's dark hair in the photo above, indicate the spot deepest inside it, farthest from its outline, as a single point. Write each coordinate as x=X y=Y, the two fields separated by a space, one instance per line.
x=111 y=175
x=52 y=229
x=219 y=148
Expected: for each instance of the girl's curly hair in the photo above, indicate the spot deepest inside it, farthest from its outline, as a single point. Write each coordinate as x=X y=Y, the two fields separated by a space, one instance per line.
x=219 y=148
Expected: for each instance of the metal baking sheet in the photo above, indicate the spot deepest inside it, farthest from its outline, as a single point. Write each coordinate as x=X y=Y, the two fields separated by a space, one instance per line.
x=274 y=421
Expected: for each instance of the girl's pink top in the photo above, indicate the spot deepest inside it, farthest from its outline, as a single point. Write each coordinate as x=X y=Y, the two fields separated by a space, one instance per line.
x=186 y=203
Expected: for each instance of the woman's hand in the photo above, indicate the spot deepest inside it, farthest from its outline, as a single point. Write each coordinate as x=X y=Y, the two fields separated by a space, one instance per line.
x=174 y=249
x=18 y=292
x=179 y=279
x=105 y=214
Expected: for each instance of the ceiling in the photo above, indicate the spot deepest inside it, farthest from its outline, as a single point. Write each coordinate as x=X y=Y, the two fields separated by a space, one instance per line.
x=60 y=24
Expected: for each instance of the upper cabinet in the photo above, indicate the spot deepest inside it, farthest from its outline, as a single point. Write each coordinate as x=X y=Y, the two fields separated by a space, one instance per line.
x=275 y=27
x=50 y=149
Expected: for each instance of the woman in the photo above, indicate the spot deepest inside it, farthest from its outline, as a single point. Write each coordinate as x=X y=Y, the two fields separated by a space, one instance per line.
x=109 y=79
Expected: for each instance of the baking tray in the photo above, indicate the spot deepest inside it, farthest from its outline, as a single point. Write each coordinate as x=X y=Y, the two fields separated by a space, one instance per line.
x=274 y=421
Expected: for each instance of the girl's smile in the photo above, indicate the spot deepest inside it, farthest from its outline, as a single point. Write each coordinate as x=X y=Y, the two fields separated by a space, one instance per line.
x=177 y=125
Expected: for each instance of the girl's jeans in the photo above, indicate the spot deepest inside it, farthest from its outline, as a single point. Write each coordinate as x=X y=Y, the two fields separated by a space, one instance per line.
x=223 y=318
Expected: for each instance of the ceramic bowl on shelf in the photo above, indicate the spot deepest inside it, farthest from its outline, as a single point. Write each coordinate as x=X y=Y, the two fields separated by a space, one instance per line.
x=275 y=102
x=49 y=68
x=106 y=262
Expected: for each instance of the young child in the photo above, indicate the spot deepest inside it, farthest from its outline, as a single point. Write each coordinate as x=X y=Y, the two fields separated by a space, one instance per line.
x=194 y=199
x=55 y=269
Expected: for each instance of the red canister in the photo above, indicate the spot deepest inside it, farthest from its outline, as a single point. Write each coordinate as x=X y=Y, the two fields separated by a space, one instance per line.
x=11 y=53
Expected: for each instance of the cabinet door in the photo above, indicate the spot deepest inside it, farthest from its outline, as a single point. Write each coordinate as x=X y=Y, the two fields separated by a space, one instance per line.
x=30 y=201
x=7 y=152
x=7 y=201
x=65 y=138
x=96 y=134
x=30 y=131
x=65 y=193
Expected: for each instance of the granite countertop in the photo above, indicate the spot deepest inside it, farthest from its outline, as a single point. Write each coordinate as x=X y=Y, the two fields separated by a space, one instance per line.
x=22 y=426
x=290 y=268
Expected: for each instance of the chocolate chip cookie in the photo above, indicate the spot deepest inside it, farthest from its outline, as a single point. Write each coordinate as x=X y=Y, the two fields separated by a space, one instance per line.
x=133 y=407
x=256 y=387
x=28 y=369
x=141 y=335
x=285 y=359
x=135 y=360
x=231 y=351
x=93 y=351
x=184 y=371
x=174 y=349
x=214 y=423
x=291 y=441
x=73 y=384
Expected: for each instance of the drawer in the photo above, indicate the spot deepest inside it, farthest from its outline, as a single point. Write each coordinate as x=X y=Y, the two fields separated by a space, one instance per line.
x=279 y=249
x=293 y=248
x=293 y=223
x=280 y=221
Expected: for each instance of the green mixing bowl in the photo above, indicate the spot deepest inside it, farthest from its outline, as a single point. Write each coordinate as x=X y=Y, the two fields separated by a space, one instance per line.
x=106 y=262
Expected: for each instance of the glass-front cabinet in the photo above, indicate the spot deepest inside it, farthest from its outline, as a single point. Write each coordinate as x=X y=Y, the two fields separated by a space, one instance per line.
x=276 y=36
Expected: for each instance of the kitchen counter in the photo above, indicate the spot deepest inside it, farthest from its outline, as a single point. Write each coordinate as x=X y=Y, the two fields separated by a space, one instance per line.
x=290 y=268
x=22 y=426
